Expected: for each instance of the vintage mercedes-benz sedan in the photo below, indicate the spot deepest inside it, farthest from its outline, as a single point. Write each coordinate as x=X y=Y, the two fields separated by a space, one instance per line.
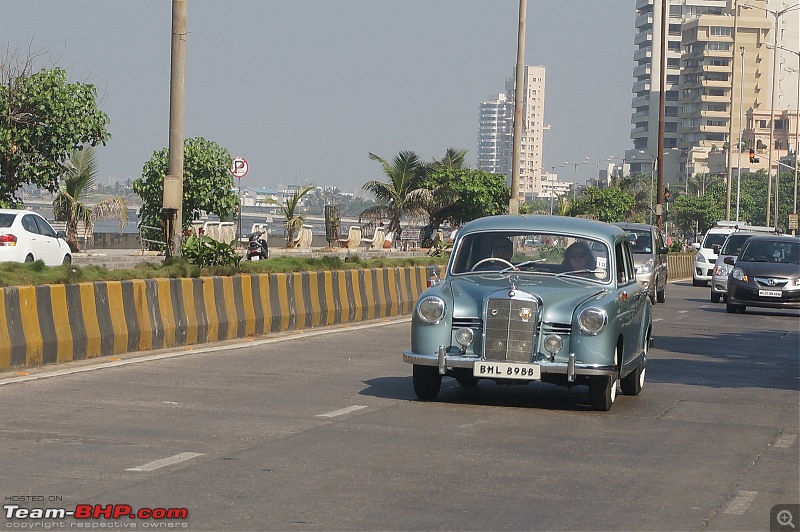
x=534 y=298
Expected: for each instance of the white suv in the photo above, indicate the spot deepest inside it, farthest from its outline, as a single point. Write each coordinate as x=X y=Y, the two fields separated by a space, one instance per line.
x=706 y=255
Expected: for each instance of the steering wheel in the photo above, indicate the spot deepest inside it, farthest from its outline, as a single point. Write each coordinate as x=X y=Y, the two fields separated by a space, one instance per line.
x=761 y=258
x=490 y=259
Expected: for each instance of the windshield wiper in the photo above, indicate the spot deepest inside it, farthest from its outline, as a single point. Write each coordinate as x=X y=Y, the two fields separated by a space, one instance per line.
x=520 y=265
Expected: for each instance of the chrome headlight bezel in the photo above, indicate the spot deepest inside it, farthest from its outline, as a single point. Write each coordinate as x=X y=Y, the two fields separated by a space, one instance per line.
x=464 y=336
x=592 y=320
x=553 y=344
x=431 y=310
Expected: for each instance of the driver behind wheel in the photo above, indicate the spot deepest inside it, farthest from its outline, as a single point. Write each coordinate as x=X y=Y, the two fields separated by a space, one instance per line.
x=500 y=248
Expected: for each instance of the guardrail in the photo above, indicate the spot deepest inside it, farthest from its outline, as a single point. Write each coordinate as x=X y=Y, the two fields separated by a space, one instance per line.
x=149 y=238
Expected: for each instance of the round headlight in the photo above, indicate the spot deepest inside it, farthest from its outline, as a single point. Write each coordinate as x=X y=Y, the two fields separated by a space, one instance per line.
x=720 y=270
x=592 y=320
x=431 y=309
x=464 y=336
x=553 y=344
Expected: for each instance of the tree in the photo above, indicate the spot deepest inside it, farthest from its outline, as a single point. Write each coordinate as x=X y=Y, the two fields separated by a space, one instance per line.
x=404 y=194
x=452 y=159
x=68 y=204
x=207 y=182
x=289 y=208
x=611 y=204
x=43 y=119
x=478 y=194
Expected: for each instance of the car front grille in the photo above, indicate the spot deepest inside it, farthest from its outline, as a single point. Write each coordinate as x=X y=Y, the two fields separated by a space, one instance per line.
x=510 y=333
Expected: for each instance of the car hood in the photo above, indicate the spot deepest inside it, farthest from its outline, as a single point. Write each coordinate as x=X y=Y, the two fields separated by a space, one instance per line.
x=770 y=269
x=641 y=258
x=559 y=296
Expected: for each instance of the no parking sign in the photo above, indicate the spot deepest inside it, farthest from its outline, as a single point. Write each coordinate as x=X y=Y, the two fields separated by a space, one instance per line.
x=239 y=167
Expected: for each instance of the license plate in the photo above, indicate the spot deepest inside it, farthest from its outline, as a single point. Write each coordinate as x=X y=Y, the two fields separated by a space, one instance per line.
x=507 y=370
x=769 y=293
x=255 y=257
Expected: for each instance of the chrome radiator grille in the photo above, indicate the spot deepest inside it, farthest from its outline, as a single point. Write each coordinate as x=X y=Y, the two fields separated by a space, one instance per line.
x=509 y=336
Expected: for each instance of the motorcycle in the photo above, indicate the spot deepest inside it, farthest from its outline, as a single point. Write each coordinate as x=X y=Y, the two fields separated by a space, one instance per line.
x=257 y=248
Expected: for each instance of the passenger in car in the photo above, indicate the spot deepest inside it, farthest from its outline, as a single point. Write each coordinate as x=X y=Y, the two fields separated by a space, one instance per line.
x=577 y=257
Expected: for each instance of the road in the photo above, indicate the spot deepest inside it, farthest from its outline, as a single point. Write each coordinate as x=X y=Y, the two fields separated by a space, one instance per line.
x=320 y=430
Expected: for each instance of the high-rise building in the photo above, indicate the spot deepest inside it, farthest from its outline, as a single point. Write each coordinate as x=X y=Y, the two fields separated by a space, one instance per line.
x=704 y=84
x=496 y=132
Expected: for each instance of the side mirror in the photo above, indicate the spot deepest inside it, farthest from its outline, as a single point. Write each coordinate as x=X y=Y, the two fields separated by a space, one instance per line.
x=663 y=251
x=696 y=246
x=729 y=260
x=61 y=234
x=716 y=248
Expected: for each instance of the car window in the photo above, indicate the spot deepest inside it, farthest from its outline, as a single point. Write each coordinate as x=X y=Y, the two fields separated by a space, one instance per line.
x=536 y=252
x=6 y=219
x=640 y=240
x=29 y=224
x=44 y=227
x=784 y=252
x=623 y=271
x=713 y=239
x=733 y=244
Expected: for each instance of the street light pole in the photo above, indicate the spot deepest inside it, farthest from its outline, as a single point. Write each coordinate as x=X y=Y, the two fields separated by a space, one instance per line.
x=575 y=178
x=739 y=147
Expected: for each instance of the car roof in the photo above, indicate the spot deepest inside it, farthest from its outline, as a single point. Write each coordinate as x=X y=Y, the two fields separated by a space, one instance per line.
x=774 y=238
x=542 y=223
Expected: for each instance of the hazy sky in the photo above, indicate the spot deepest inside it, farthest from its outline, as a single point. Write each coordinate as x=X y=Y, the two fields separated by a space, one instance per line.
x=304 y=90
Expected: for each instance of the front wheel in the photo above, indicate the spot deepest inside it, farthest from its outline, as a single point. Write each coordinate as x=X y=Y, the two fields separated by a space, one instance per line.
x=602 y=392
x=714 y=297
x=661 y=295
x=427 y=382
x=633 y=382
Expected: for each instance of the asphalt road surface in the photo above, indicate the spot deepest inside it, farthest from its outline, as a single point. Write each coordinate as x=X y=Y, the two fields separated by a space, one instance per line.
x=320 y=430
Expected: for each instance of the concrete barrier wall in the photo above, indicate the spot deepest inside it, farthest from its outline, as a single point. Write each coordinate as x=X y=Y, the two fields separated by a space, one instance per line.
x=679 y=266
x=61 y=323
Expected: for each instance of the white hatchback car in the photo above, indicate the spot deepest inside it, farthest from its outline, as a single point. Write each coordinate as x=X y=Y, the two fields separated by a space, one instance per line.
x=25 y=237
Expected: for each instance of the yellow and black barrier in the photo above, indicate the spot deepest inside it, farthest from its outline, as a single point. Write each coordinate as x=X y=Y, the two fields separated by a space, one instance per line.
x=61 y=323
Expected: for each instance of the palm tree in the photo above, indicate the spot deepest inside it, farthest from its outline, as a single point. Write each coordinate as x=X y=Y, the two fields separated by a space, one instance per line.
x=404 y=194
x=453 y=159
x=294 y=219
x=68 y=204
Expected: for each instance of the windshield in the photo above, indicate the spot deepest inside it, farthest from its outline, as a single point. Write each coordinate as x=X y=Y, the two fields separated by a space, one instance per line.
x=733 y=244
x=641 y=241
x=520 y=252
x=785 y=252
x=713 y=239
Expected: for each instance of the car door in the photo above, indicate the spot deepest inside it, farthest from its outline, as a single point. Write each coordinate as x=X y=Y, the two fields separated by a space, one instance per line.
x=36 y=243
x=630 y=300
x=53 y=253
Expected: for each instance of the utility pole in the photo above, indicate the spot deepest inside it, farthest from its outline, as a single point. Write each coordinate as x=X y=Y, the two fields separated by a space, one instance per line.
x=730 y=118
x=661 y=108
x=519 y=97
x=173 y=181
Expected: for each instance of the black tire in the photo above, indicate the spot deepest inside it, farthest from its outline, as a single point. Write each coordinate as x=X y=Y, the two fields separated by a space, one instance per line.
x=427 y=382
x=695 y=282
x=633 y=382
x=67 y=260
x=715 y=297
x=661 y=295
x=652 y=299
x=29 y=259
x=602 y=392
x=733 y=309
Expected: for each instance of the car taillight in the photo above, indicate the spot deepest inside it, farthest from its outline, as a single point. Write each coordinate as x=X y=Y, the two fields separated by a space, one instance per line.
x=8 y=240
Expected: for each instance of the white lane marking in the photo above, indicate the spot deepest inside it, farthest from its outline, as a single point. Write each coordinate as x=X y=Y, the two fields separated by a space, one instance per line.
x=682 y=311
x=182 y=457
x=191 y=350
x=785 y=441
x=342 y=411
x=659 y=319
x=741 y=502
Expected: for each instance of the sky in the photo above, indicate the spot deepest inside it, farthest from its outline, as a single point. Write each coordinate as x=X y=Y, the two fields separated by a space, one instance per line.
x=305 y=90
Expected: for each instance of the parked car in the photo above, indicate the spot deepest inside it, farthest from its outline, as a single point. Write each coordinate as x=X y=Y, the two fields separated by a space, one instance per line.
x=649 y=257
x=25 y=237
x=730 y=248
x=515 y=305
x=765 y=274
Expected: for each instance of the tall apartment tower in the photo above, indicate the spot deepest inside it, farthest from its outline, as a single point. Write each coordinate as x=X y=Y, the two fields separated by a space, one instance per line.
x=496 y=132
x=703 y=83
